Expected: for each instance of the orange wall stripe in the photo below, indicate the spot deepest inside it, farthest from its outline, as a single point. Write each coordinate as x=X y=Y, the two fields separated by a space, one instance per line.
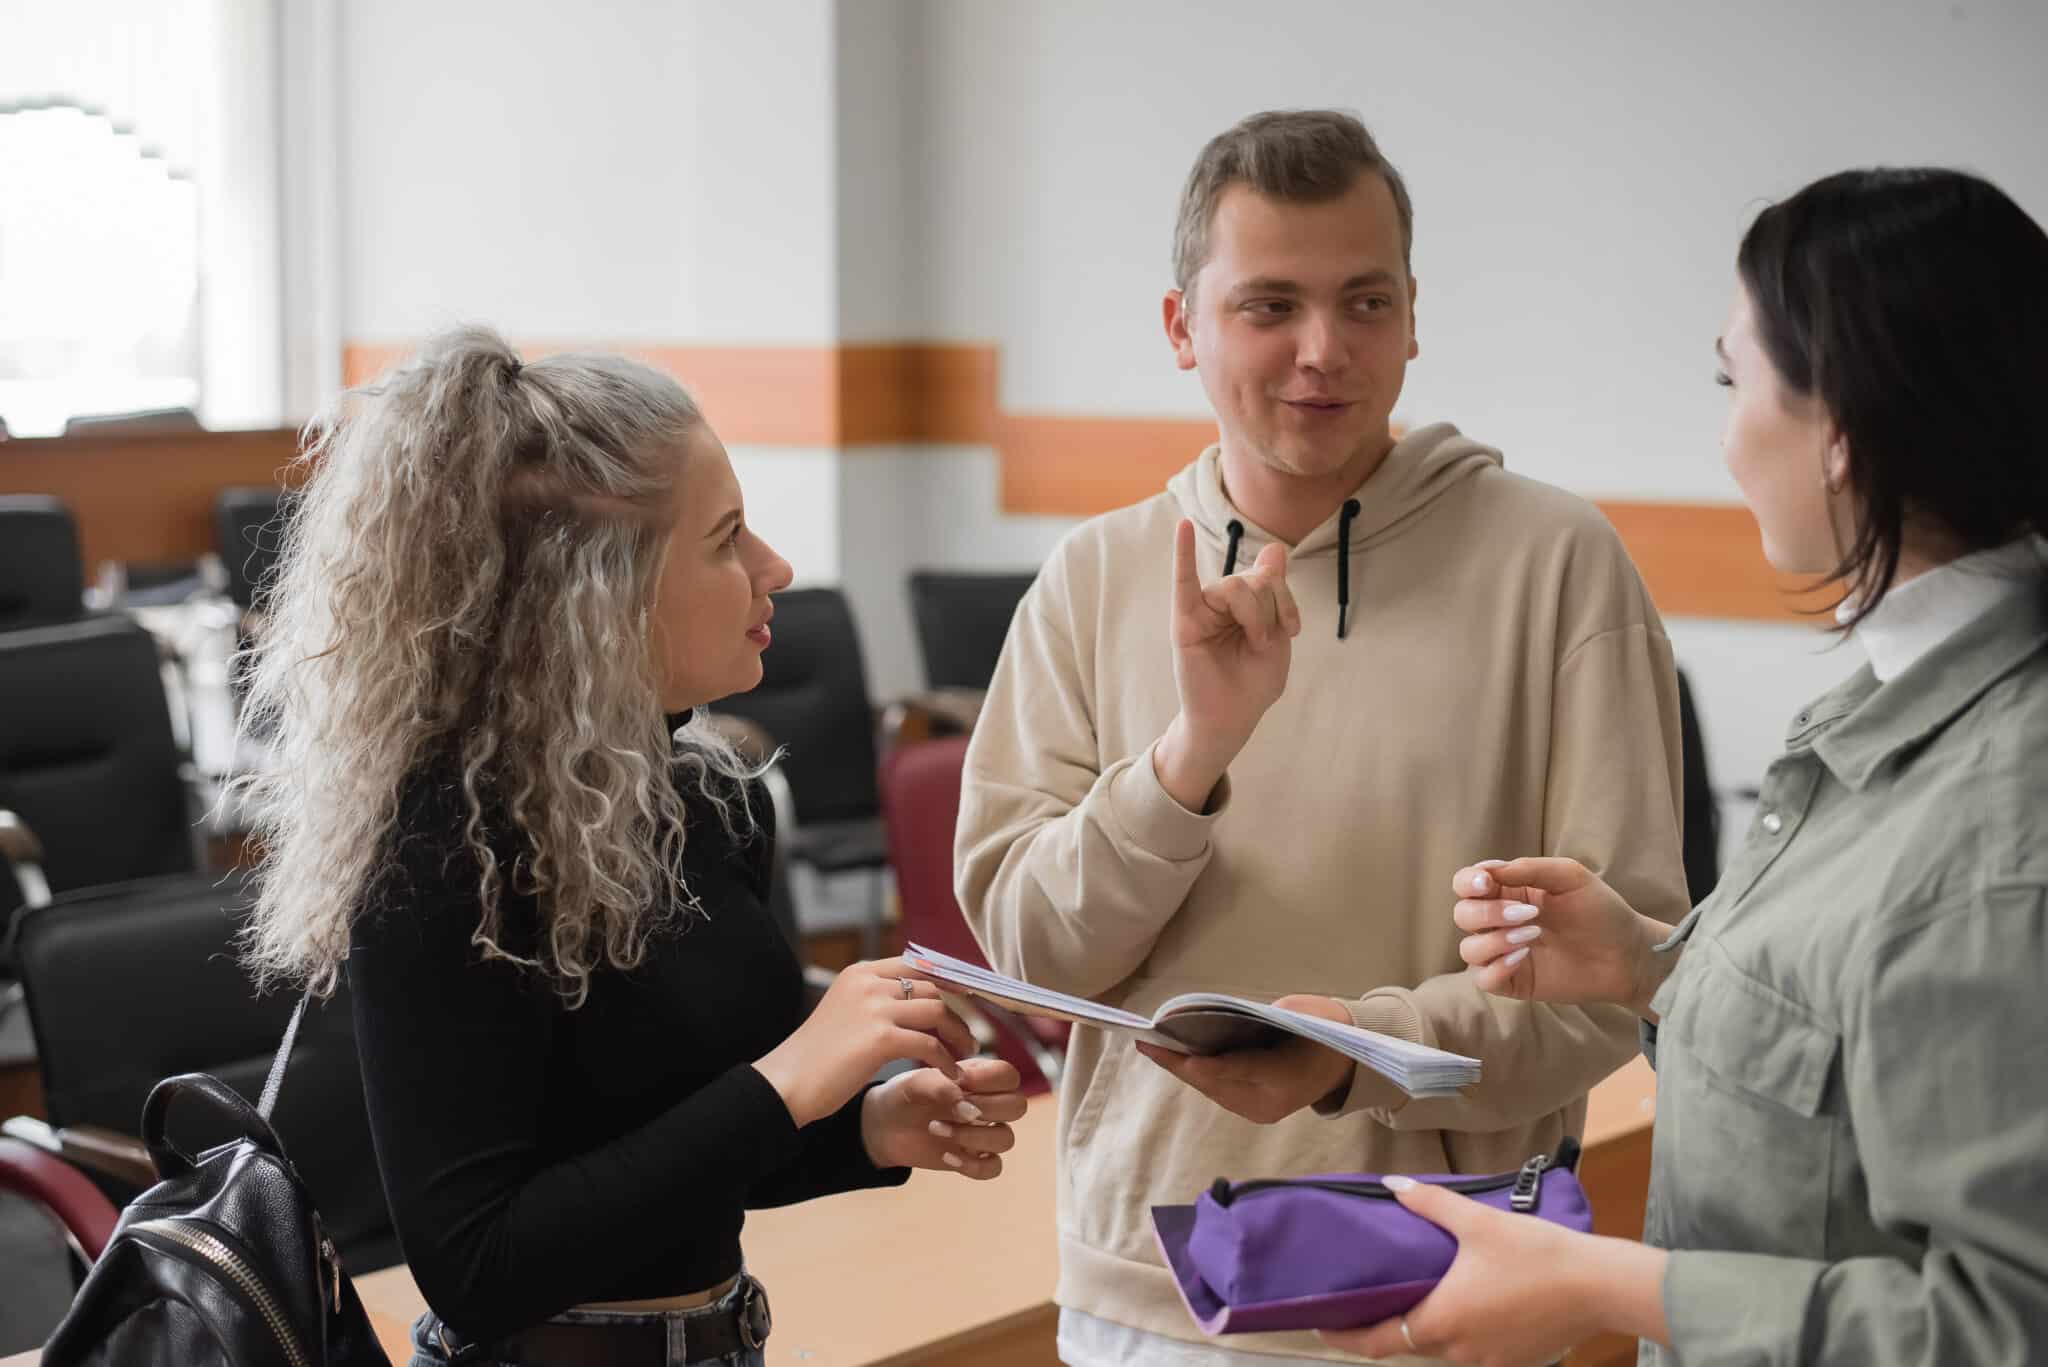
x=859 y=394
x=770 y=396
x=1707 y=560
x=1698 y=559
x=1077 y=467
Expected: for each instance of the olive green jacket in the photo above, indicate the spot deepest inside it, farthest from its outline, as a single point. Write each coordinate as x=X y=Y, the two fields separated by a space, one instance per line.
x=1851 y=1149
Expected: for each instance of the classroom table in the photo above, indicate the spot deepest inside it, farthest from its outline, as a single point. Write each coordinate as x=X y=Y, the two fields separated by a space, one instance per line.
x=944 y=1272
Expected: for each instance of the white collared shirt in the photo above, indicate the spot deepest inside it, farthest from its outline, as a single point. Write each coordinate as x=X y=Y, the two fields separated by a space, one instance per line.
x=1926 y=610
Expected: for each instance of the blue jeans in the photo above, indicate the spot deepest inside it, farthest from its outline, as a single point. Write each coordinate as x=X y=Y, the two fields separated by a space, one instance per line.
x=432 y=1340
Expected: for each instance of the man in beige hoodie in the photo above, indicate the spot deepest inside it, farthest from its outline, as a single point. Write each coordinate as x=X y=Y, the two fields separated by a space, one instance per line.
x=1243 y=733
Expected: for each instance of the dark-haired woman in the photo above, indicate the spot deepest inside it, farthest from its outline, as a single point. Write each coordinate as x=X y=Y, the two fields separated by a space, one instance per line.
x=1851 y=1153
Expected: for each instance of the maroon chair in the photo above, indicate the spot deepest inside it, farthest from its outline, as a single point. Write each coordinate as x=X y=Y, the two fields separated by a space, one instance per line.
x=920 y=806
x=84 y=1214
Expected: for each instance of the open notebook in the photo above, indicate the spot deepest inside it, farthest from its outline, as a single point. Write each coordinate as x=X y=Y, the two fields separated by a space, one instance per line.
x=1211 y=1023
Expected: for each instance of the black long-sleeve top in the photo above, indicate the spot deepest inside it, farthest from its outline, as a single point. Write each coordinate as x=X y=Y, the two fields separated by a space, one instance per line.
x=536 y=1157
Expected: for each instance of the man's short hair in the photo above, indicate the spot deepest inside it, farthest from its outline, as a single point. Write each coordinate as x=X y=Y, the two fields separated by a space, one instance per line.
x=1304 y=156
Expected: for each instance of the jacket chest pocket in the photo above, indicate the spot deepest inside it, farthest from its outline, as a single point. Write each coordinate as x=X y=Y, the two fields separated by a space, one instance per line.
x=1745 y=1132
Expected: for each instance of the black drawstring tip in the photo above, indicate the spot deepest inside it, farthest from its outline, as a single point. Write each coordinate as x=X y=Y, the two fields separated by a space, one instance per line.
x=1344 y=565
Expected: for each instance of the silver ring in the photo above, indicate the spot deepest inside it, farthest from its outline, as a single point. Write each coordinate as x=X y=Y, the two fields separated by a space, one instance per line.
x=1408 y=1336
x=909 y=987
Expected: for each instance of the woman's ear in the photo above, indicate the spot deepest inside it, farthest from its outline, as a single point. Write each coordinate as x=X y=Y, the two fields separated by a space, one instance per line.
x=1834 y=463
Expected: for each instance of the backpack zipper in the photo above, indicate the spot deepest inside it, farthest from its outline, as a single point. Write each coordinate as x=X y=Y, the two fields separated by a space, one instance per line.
x=1527 y=1182
x=216 y=1253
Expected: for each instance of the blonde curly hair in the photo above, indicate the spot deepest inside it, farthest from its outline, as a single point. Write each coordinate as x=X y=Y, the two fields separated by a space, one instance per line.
x=470 y=569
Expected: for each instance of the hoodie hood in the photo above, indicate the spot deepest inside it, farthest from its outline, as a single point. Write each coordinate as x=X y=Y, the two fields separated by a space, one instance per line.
x=1414 y=475
x=1422 y=465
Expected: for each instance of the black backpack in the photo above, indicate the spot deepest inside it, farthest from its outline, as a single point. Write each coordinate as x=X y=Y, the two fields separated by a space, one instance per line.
x=223 y=1263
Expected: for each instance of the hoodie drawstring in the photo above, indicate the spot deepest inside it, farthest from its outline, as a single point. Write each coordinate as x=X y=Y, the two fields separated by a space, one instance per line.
x=1236 y=530
x=1343 y=564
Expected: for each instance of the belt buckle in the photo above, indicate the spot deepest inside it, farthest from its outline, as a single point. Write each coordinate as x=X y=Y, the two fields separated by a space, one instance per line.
x=755 y=1319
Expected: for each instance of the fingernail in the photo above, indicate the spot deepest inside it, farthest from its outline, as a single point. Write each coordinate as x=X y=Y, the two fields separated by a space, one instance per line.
x=967 y=1111
x=1516 y=957
x=1517 y=912
x=1397 y=1183
x=1524 y=935
x=951 y=1160
x=1481 y=885
x=941 y=1129
x=1493 y=863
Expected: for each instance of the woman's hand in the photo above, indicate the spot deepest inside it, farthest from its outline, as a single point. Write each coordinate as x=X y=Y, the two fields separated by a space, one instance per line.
x=924 y=1119
x=1521 y=1290
x=1550 y=930
x=874 y=1013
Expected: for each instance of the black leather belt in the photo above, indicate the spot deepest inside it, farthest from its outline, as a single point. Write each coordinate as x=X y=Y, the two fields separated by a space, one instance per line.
x=638 y=1340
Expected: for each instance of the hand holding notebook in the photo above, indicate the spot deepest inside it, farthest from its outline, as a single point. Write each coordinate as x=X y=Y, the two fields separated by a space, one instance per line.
x=1212 y=1023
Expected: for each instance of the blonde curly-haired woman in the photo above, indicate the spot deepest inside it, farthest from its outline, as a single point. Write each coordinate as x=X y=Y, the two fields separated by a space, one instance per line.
x=504 y=588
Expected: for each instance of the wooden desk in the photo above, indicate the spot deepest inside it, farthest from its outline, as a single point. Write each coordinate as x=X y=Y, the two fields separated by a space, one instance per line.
x=947 y=1273
x=942 y=1270
x=1615 y=1170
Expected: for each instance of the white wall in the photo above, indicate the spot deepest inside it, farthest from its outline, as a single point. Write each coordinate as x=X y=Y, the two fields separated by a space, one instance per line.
x=812 y=171
x=1581 y=175
x=1581 y=172
x=529 y=165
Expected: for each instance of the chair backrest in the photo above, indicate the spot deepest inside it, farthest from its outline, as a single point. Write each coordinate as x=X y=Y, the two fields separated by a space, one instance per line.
x=920 y=807
x=136 y=422
x=87 y=756
x=1701 y=837
x=80 y=1208
x=132 y=983
x=247 y=527
x=813 y=699
x=41 y=578
x=962 y=620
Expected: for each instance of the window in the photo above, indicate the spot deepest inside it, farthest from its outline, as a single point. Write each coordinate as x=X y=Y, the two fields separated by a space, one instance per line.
x=99 y=271
x=139 y=230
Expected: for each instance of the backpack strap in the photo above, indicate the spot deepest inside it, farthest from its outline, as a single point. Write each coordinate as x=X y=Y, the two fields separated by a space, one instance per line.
x=268 y=1101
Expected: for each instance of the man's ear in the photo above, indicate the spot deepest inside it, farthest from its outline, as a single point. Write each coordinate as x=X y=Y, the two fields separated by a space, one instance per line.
x=1414 y=346
x=1174 y=312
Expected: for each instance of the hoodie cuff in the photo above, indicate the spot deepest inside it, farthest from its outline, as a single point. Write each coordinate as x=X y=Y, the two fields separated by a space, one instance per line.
x=1155 y=822
x=1386 y=1013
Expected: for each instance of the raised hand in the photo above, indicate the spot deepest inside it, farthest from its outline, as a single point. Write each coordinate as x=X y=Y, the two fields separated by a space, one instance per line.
x=1232 y=644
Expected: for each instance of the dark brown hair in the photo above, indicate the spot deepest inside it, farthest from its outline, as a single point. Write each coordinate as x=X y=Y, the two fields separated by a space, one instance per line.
x=1913 y=303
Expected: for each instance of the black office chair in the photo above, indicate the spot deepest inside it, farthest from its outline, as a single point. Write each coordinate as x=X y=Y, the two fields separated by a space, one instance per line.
x=962 y=620
x=248 y=524
x=41 y=579
x=813 y=699
x=131 y=983
x=88 y=760
x=1702 y=834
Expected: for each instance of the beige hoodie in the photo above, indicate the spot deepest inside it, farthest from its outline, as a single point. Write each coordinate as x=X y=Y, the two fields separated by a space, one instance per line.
x=1504 y=688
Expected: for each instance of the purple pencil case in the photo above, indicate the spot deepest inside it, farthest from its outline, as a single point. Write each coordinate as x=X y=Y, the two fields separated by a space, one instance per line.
x=1335 y=1251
